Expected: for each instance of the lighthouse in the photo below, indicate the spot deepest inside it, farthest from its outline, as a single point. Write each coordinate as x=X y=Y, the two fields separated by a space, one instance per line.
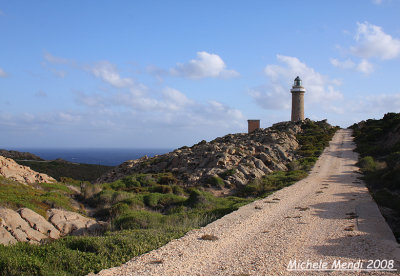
x=297 y=100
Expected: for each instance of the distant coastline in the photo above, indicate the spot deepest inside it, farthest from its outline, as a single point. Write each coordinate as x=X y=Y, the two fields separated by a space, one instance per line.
x=98 y=156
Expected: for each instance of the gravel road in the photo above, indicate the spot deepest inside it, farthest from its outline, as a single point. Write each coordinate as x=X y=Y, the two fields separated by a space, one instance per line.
x=327 y=217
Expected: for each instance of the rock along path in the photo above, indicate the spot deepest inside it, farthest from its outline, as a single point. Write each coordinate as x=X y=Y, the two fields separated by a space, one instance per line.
x=329 y=216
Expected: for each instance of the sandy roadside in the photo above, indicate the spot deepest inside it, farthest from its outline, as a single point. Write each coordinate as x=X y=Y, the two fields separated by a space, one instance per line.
x=328 y=218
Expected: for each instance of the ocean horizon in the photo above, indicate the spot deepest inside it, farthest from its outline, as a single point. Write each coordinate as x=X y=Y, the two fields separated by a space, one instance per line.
x=97 y=156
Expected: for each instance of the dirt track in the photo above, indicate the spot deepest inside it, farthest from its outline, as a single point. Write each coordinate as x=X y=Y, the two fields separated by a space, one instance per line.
x=328 y=216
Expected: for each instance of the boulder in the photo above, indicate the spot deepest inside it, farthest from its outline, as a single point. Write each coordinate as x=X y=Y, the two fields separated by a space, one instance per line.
x=18 y=227
x=39 y=223
x=72 y=223
x=5 y=237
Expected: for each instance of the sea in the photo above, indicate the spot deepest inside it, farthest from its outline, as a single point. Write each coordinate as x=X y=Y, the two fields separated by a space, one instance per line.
x=103 y=156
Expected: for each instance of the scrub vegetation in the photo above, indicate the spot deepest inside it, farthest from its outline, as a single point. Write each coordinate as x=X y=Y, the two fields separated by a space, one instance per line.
x=378 y=142
x=60 y=169
x=144 y=211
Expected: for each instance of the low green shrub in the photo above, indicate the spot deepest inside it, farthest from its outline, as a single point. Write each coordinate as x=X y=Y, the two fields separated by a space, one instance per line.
x=157 y=200
x=138 y=220
x=82 y=255
x=178 y=190
x=367 y=164
x=164 y=189
x=198 y=199
x=215 y=181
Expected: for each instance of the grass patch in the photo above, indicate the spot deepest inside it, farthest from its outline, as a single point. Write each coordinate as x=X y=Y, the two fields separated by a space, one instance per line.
x=82 y=255
x=15 y=195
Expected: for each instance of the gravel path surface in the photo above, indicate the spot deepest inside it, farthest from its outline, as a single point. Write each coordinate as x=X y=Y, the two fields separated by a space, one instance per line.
x=328 y=217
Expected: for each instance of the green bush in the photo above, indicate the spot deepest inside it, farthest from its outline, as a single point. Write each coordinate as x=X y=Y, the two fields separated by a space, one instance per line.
x=119 y=209
x=197 y=199
x=164 y=189
x=367 y=164
x=157 y=200
x=167 y=179
x=178 y=190
x=138 y=220
x=216 y=181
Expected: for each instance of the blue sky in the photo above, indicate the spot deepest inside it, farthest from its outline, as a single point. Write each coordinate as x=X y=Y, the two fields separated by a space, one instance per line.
x=142 y=74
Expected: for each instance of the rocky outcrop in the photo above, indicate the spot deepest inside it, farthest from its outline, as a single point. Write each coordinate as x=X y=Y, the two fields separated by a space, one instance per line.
x=26 y=225
x=73 y=223
x=10 y=169
x=236 y=158
x=19 y=155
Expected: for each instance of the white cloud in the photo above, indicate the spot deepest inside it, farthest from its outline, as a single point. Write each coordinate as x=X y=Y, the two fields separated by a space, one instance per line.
x=55 y=60
x=373 y=104
x=372 y=41
x=174 y=99
x=346 y=64
x=3 y=74
x=205 y=66
x=276 y=94
x=365 y=67
x=108 y=73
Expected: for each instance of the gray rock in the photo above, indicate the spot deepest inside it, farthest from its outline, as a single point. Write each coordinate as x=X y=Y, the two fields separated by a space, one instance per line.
x=18 y=227
x=70 y=222
x=39 y=223
x=5 y=237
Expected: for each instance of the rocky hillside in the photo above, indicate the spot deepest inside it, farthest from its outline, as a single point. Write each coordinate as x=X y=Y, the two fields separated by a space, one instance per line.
x=232 y=160
x=10 y=169
x=19 y=155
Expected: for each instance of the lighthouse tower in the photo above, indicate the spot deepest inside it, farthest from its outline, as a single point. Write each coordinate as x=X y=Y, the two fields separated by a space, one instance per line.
x=297 y=100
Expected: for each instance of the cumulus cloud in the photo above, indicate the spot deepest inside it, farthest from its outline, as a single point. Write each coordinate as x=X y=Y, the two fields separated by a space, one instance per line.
x=174 y=99
x=372 y=41
x=345 y=64
x=365 y=67
x=206 y=65
x=38 y=121
x=128 y=106
x=3 y=73
x=108 y=73
x=276 y=93
x=376 y=104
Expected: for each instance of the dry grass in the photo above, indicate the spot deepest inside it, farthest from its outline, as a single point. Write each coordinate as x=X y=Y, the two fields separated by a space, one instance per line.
x=208 y=237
